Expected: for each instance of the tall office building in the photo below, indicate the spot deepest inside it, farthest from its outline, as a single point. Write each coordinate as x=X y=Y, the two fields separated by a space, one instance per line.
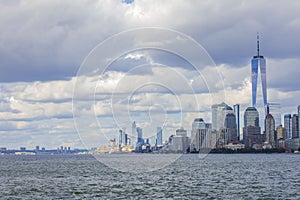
x=201 y=135
x=133 y=133
x=281 y=133
x=236 y=109
x=295 y=128
x=228 y=134
x=124 y=138
x=198 y=123
x=251 y=117
x=140 y=139
x=259 y=84
x=251 y=129
x=258 y=78
x=270 y=131
x=159 y=136
x=120 y=137
x=179 y=142
x=274 y=110
x=219 y=112
x=288 y=125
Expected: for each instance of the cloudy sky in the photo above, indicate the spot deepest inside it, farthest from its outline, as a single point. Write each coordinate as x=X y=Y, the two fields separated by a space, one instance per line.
x=47 y=47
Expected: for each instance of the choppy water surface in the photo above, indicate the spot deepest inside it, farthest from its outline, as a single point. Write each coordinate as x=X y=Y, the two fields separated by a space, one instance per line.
x=274 y=176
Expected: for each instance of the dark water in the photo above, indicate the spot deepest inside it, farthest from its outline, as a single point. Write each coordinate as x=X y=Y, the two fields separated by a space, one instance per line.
x=274 y=176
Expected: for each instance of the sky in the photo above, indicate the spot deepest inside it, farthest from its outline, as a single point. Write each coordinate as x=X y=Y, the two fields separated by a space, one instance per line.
x=53 y=51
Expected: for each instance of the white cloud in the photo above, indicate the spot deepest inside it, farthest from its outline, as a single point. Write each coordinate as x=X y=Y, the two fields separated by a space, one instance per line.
x=45 y=42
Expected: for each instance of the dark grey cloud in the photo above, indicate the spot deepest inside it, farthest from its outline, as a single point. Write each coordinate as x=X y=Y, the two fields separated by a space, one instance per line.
x=48 y=40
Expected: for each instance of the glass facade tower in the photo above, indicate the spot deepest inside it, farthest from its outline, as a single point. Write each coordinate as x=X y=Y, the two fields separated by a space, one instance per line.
x=159 y=136
x=258 y=79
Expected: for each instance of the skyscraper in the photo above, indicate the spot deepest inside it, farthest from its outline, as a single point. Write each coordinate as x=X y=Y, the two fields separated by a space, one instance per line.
x=179 y=142
x=236 y=109
x=288 y=125
x=251 y=130
x=228 y=133
x=159 y=136
x=281 y=133
x=251 y=117
x=274 y=110
x=133 y=134
x=140 y=139
x=295 y=123
x=270 y=130
x=258 y=78
x=219 y=112
x=120 y=137
x=201 y=133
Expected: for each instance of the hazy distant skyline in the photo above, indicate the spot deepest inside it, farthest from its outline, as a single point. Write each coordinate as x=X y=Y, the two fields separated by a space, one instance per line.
x=43 y=43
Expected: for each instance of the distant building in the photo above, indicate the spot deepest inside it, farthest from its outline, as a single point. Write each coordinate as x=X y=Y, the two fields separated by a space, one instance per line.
x=295 y=124
x=228 y=134
x=236 y=109
x=259 y=82
x=201 y=135
x=120 y=137
x=234 y=146
x=275 y=110
x=125 y=139
x=288 y=125
x=140 y=139
x=159 y=138
x=179 y=142
x=270 y=131
x=22 y=148
x=133 y=134
x=281 y=133
x=219 y=112
x=292 y=144
x=251 y=131
x=251 y=117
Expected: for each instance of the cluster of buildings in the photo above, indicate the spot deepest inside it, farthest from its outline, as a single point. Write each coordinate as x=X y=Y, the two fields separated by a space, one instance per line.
x=40 y=151
x=261 y=127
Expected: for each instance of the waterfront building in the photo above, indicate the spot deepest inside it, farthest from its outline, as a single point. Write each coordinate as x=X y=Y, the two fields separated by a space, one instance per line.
x=251 y=130
x=125 y=139
x=201 y=135
x=281 y=132
x=179 y=142
x=120 y=137
x=159 y=136
x=133 y=134
x=275 y=110
x=230 y=125
x=288 y=125
x=295 y=124
x=258 y=79
x=140 y=139
x=219 y=112
x=236 y=109
x=251 y=117
x=270 y=131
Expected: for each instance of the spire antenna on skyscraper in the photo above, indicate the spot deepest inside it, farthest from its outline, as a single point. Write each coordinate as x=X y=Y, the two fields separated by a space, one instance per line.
x=257 y=44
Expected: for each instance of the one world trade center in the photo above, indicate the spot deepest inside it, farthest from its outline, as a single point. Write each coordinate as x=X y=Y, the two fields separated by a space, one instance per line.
x=258 y=78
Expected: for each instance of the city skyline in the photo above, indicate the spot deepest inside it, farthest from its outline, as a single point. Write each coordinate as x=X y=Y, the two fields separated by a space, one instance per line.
x=39 y=65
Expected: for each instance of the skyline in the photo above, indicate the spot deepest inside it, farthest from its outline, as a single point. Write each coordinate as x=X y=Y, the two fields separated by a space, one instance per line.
x=40 y=59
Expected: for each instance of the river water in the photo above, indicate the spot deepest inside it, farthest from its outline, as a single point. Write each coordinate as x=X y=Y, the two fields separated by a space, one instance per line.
x=217 y=176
